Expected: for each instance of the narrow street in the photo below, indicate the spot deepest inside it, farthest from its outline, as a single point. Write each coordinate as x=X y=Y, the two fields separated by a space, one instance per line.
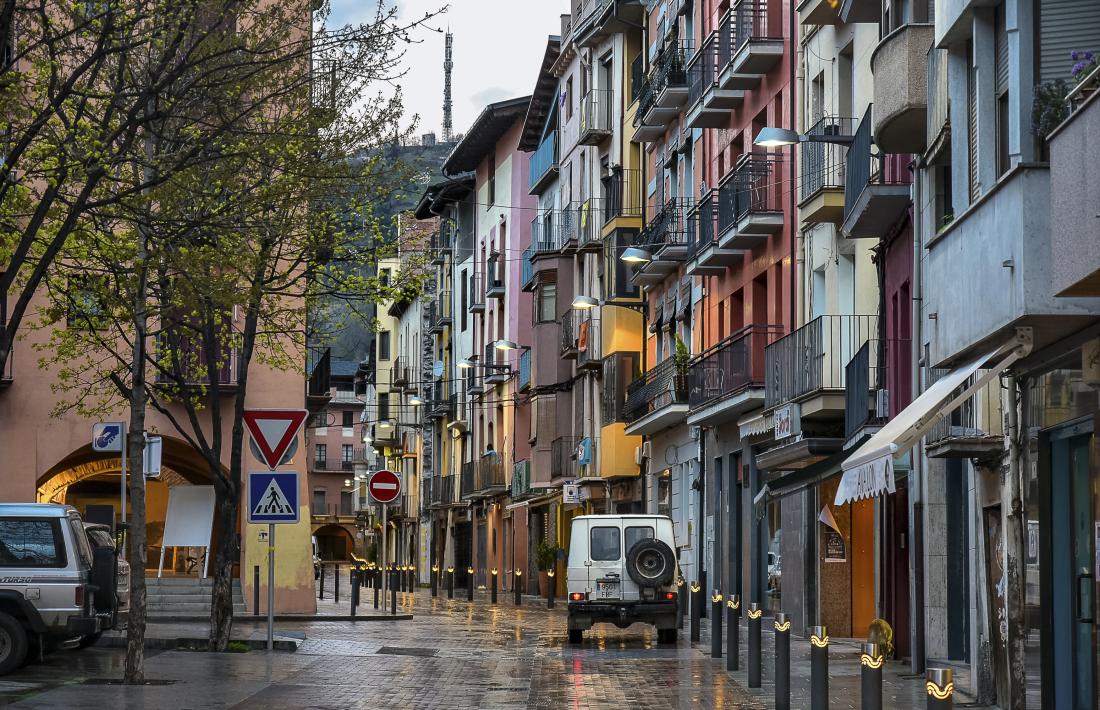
x=450 y=655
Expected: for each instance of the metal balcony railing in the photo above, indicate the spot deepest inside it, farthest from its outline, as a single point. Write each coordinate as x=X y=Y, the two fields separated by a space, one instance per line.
x=444 y=493
x=824 y=165
x=867 y=167
x=623 y=194
x=668 y=228
x=527 y=267
x=570 y=228
x=702 y=226
x=490 y=474
x=726 y=39
x=978 y=416
x=319 y=367
x=811 y=359
x=441 y=311
x=669 y=70
x=426 y=485
x=731 y=365
x=653 y=391
x=494 y=276
x=589 y=351
x=477 y=292
x=591 y=222
x=525 y=369
x=596 y=112
x=400 y=373
x=568 y=332
x=703 y=70
x=757 y=187
x=725 y=208
x=184 y=361
x=544 y=159
x=546 y=232
x=562 y=456
x=440 y=245
x=751 y=22
x=469 y=479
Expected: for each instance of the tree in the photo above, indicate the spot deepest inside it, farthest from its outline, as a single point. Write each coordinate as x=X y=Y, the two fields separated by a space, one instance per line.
x=222 y=203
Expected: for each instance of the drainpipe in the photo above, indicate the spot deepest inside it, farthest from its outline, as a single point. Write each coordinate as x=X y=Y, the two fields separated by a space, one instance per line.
x=790 y=193
x=916 y=474
x=1012 y=506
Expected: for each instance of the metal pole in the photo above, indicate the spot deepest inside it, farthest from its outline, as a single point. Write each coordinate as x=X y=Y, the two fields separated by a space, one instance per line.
x=819 y=668
x=336 y=583
x=493 y=598
x=377 y=591
x=941 y=689
x=870 y=672
x=716 y=625
x=256 y=590
x=354 y=575
x=733 y=633
x=450 y=582
x=551 y=589
x=393 y=598
x=516 y=587
x=125 y=433
x=681 y=603
x=469 y=584
x=385 y=529
x=755 y=612
x=782 y=662
x=435 y=580
x=271 y=587
x=696 y=609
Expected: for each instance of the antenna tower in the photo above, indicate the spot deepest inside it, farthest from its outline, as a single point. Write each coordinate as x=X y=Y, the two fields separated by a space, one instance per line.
x=448 y=127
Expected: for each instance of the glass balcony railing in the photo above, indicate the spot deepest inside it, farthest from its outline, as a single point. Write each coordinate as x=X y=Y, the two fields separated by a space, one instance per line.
x=544 y=162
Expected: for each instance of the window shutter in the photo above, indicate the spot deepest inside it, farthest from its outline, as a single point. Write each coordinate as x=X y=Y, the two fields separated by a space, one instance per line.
x=972 y=133
x=1065 y=26
x=1000 y=41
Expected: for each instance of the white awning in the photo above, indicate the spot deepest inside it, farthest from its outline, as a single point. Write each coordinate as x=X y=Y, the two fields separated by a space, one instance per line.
x=869 y=471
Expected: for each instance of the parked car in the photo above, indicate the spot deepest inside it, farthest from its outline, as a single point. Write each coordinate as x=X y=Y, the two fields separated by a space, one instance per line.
x=622 y=570
x=100 y=536
x=55 y=589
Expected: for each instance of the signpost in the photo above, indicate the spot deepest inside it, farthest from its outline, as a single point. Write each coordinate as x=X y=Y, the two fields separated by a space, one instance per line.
x=110 y=437
x=273 y=495
x=384 y=487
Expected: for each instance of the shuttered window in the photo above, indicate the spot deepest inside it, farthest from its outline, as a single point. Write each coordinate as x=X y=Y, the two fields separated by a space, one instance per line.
x=1000 y=76
x=1065 y=26
x=972 y=132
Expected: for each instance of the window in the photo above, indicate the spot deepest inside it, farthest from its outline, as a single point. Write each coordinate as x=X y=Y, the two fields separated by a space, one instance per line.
x=319 y=505
x=1000 y=73
x=604 y=545
x=569 y=98
x=384 y=345
x=320 y=454
x=345 y=503
x=31 y=543
x=348 y=418
x=346 y=453
x=384 y=405
x=384 y=277
x=637 y=533
x=546 y=307
x=492 y=181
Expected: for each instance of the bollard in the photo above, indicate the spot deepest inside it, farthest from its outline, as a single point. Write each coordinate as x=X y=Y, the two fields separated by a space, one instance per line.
x=354 y=591
x=410 y=571
x=435 y=580
x=755 y=613
x=402 y=578
x=782 y=661
x=681 y=603
x=336 y=583
x=393 y=601
x=450 y=582
x=703 y=584
x=696 y=610
x=941 y=689
x=716 y=625
x=256 y=591
x=733 y=633
x=321 y=587
x=819 y=668
x=870 y=676
x=377 y=592
x=517 y=587
x=551 y=589
x=470 y=584
x=493 y=596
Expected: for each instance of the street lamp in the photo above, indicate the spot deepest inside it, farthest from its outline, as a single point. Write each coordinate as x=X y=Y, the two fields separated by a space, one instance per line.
x=466 y=364
x=505 y=345
x=771 y=137
x=636 y=255
x=585 y=302
x=415 y=400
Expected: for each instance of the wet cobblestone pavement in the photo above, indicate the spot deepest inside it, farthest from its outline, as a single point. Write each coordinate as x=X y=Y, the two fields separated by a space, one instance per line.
x=451 y=655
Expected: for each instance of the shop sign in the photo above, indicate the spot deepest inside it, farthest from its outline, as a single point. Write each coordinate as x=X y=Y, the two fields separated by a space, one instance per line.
x=867 y=481
x=788 y=421
x=834 y=547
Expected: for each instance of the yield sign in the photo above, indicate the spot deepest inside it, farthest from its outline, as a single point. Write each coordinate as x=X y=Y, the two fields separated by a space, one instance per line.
x=273 y=430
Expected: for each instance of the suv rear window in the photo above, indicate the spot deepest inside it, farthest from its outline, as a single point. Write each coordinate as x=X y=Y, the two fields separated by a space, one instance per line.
x=634 y=533
x=604 y=545
x=26 y=542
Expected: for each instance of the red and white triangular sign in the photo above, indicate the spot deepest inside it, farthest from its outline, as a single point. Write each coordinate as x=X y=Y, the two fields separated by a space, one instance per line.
x=274 y=430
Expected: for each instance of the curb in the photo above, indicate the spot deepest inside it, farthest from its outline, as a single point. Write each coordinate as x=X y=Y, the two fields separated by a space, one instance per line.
x=252 y=619
x=196 y=644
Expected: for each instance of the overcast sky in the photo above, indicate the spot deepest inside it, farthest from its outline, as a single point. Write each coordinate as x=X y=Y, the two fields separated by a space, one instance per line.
x=498 y=47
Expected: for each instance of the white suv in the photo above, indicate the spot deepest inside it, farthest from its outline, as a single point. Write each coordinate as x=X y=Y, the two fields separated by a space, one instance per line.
x=622 y=570
x=55 y=589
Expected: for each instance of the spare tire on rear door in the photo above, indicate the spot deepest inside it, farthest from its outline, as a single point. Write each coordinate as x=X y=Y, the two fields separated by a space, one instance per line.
x=651 y=563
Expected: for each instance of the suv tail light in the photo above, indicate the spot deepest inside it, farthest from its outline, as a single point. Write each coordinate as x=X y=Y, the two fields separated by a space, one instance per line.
x=577 y=597
x=670 y=596
x=79 y=601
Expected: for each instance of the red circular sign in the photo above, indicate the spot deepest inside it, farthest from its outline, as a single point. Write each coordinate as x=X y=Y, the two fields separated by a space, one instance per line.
x=384 y=486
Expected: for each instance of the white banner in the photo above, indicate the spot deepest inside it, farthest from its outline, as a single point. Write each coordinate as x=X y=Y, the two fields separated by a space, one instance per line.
x=867 y=480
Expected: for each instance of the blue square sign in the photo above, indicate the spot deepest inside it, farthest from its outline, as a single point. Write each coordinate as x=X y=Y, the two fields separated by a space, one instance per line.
x=272 y=497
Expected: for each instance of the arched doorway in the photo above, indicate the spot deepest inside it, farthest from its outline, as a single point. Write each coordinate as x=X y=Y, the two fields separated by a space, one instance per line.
x=335 y=543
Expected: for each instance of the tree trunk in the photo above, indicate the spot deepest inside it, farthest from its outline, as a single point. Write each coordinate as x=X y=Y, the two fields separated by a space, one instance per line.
x=228 y=551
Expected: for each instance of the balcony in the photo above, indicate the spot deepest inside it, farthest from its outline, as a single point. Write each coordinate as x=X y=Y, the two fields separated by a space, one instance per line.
x=570 y=228
x=440 y=246
x=817 y=12
x=705 y=256
x=475 y=381
x=665 y=237
x=589 y=351
x=597 y=109
x=563 y=457
x=591 y=225
x=399 y=376
x=665 y=92
x=973 y=431
x=543 y=168
x=569 y=335
x=877 y=193
x=623 y=195
x=182 y=362
x=441 y=400
x=900 y=67
x=477 y=293
x=521 y=481
x=491 y=479
x=824 y=167
x=494 y=282
x=708 y=106
x=427 y=484
x=1075 y=193
x=596 y=20
x=527 y=270
x=727 y=379
x=856 y=11
x=877 y=382
x=656 y=401
x=319 y=382
x=468 y=488
x=525 y=370
x=443 y=491
x=496 y=370
x=546 y=234
x=808 y=365
x=441 y=313
x=758 y=38
x=750 y=206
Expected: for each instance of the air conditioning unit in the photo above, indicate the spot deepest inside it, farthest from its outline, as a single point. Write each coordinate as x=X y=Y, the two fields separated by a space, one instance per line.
x=696 y=432
x=643 y=452
x=882 y=403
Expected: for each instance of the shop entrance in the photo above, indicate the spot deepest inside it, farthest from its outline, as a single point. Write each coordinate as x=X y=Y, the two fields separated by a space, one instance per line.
x=1074 y=516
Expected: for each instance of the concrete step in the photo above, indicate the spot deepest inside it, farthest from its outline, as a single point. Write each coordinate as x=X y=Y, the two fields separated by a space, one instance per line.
x=188 y=608
x=184 y=582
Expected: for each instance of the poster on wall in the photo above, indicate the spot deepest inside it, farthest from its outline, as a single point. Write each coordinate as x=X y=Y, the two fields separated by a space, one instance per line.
x=835 y=550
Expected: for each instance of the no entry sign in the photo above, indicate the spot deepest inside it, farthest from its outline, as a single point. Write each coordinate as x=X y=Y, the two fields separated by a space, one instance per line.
x=384 y=486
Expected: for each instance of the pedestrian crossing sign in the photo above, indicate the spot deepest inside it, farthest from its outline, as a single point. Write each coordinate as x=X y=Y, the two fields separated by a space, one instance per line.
x=272 y=497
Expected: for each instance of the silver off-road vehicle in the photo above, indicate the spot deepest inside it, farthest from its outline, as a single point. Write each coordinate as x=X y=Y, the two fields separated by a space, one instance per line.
x=622 y=570
x=55 y=589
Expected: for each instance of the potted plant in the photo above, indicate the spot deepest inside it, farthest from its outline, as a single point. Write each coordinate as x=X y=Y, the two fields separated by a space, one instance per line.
x=681 y=358
x=546 y=556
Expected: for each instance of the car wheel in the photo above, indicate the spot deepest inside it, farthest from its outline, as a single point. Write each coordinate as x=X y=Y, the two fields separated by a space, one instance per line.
x=13 y=644
x=651 y=563
x=576 y=636
x=89 y=640
x=666 y=636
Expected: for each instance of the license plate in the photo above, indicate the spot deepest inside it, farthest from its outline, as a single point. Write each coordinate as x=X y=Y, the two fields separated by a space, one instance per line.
x=607 y=590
